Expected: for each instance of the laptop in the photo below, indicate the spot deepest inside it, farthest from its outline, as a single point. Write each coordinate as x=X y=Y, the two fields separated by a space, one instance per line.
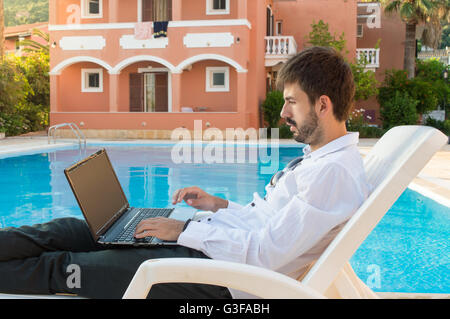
x=105 y=207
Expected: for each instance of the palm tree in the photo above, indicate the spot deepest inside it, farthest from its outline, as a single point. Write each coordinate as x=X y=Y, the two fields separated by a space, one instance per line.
x=434 y=27
x=413 y=12
x=2 y=30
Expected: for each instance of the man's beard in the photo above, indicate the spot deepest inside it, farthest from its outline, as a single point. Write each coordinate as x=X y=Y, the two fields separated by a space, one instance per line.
x=309 y=132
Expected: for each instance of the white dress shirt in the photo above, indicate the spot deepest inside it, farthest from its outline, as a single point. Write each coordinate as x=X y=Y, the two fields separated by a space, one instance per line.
x=296 y=221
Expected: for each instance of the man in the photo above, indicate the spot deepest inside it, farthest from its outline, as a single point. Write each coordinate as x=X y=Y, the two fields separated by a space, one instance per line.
x=305 y=206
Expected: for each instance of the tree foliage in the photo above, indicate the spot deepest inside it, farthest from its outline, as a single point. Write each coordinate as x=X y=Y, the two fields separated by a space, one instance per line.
x=365 y=81
x=414 y=12
x=24 y=93
x=19 y=12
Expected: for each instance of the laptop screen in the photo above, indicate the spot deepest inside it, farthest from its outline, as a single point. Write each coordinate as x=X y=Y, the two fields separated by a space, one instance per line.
x=97 y=190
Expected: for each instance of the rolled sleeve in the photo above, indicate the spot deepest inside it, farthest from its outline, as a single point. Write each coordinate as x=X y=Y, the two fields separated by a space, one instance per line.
x=194 y=235
x=233 y=205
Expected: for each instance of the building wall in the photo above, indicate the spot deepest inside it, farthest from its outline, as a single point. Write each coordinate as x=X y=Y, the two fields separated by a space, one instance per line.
x=71 y=97
x=256 y=78
x=297 y=17
x=193 y=89
x=12 y=35
x=196 y=10
x=392 y=36
x=68 y=11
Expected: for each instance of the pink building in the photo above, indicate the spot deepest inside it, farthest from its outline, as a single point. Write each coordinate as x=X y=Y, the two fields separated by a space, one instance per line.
x=114 y=74
x=15 y=34
x=388 y=31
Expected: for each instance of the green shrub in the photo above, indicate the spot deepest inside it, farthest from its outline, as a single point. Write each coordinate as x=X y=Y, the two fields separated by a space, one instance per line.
x=285 y=132
x=399 y=110
x=371 y=132
x=444 y=126
x=417 y=88
x=430 y=70
x=366 y=85
x=14 y=123
x=24 y=93
x=272 y=107
x=358 y=122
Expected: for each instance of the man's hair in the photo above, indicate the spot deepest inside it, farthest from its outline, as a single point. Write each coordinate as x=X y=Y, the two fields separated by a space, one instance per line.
x=321 y=71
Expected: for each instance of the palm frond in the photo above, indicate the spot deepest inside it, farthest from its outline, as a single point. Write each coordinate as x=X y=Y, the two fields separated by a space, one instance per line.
x=391 y=6
x=33 y=45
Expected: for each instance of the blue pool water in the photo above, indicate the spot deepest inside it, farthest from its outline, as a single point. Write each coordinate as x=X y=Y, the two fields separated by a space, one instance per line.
x=408 y=251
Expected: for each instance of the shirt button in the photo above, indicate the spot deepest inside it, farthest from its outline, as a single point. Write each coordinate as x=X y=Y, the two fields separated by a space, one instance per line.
x=253 y=204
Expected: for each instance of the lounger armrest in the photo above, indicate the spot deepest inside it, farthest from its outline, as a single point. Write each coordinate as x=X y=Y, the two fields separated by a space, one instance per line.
x=250 y=279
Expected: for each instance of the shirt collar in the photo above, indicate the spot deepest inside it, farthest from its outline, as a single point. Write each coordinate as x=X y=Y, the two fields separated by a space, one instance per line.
x=333 y=146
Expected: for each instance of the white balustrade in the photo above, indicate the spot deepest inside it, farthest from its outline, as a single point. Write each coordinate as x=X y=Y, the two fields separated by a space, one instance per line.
x=371 y=56
x=278 y=46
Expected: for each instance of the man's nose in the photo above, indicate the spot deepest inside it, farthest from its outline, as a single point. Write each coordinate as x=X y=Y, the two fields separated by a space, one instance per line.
x=284 y=111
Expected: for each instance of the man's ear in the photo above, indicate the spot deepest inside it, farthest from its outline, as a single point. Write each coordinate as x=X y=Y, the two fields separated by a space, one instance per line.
x=324 y=105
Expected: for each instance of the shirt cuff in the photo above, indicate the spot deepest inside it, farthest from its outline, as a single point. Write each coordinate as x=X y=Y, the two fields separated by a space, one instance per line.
x=233 y=205
x=194 y=235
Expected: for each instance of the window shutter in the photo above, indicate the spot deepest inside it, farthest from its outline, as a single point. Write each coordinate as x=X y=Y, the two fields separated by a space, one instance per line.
x=169 y=10
x=136 y=92
x=147 y=10
x=161 y=92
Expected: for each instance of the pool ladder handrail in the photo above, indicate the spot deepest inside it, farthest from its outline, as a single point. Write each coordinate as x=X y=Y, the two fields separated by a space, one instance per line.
x=75 y=129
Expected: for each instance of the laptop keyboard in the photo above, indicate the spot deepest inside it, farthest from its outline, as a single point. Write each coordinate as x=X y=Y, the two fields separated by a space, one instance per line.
x=127 y=234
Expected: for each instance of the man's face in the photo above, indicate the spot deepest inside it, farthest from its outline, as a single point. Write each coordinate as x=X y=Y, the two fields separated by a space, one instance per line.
x=300 y=115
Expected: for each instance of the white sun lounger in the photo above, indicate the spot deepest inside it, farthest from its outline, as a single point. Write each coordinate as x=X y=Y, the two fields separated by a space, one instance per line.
x=391 y=165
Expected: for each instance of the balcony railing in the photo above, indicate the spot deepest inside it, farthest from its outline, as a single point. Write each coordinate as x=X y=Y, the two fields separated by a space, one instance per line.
x=280 y=47
x=371 y=57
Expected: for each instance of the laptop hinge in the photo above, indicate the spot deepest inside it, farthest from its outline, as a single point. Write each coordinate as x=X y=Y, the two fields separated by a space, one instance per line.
x=111 y=221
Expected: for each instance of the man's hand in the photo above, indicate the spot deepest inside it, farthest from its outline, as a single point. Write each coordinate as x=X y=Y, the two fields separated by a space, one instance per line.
x=199 y=199
x=159 y=227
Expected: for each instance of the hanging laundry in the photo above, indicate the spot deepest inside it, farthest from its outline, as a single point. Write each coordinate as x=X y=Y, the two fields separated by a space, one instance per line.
x=160 y=29
x=143 y=30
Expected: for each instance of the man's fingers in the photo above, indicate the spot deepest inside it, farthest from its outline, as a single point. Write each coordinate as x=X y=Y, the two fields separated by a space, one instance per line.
x=175 y=195
x=146 y=233
x=183 y=194
x=145 y=225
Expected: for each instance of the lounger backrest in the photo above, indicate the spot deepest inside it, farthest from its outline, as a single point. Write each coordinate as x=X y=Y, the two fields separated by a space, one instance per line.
x=391 y=165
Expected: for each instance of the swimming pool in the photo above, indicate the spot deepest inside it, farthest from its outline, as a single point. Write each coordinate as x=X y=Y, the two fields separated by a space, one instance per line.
x=407 y=252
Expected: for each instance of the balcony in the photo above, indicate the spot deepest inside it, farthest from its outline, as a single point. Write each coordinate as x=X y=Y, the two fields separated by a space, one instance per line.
x=371 y=56
x=279 y=49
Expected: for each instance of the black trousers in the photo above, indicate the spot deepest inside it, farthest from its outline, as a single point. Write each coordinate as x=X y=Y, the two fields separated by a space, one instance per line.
x=44 y=258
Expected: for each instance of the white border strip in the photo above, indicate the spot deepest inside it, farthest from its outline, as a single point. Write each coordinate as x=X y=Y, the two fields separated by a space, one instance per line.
x=131 y=25
x=430 y=194
x=24 y=150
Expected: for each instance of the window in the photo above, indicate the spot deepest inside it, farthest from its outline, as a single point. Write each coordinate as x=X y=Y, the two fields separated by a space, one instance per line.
x=91 y=9
x=155 y=10
x=92 y=80
x=279 y=27
x=217 y=79
x=217 y=7
x=359 y=30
